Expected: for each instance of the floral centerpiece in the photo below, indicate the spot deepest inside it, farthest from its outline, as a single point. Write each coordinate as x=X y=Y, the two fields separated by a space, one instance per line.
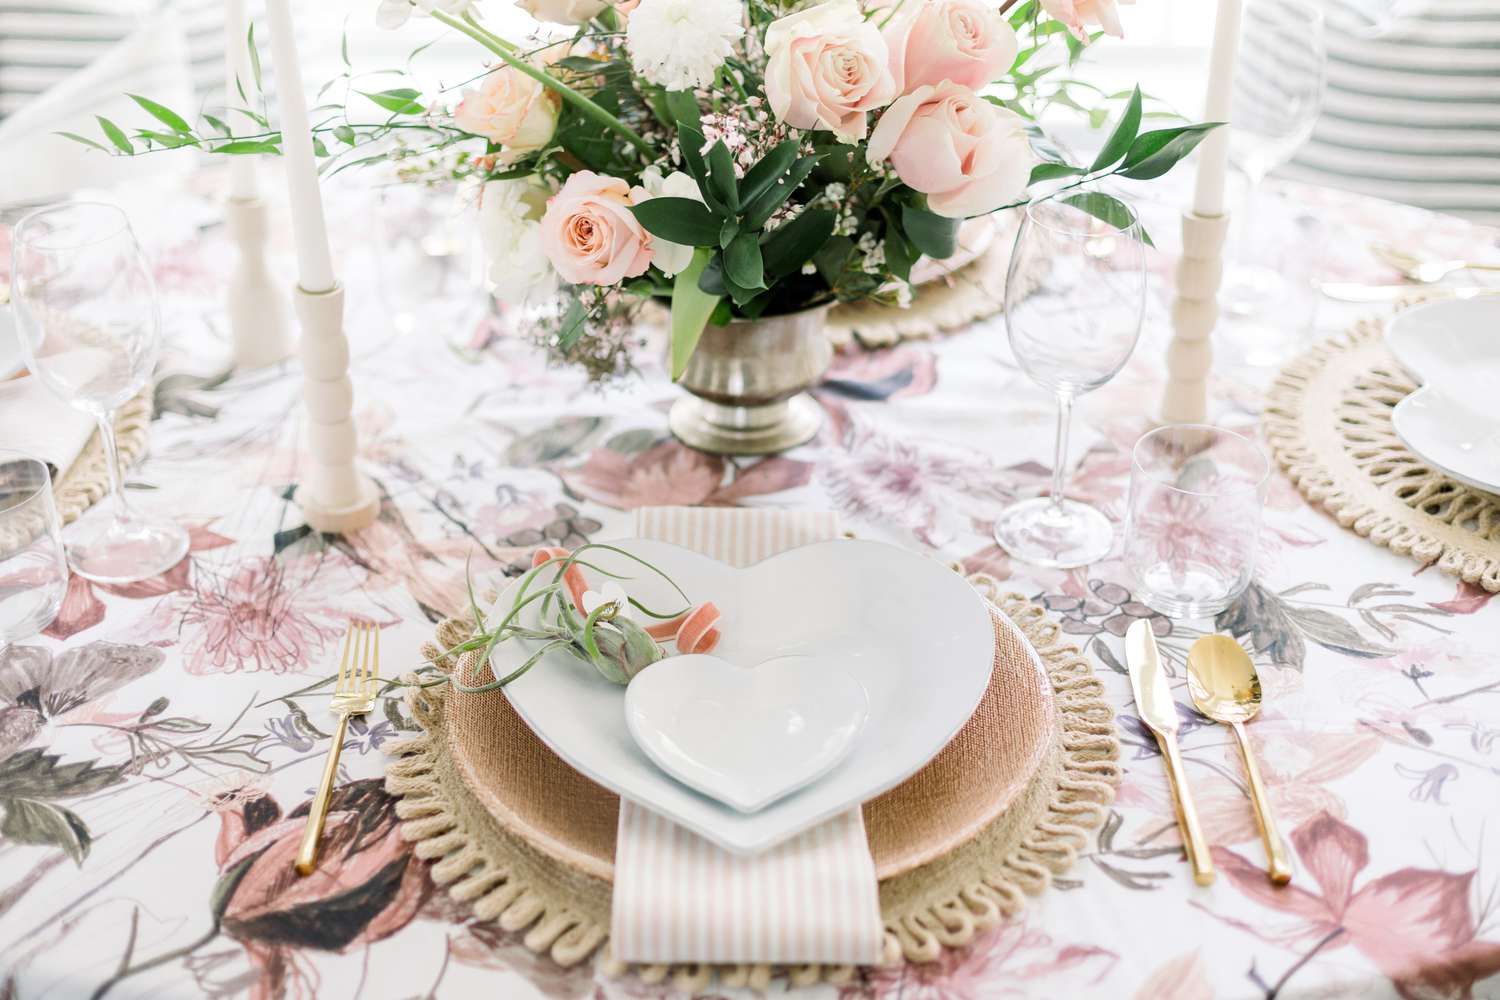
x=735 y=159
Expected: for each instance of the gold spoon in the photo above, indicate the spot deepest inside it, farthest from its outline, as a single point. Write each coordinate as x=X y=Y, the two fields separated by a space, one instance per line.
x=1223 y=684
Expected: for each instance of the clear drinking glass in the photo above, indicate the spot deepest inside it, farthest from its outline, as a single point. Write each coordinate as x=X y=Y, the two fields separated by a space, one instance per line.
x=1071 y=330
x=90 y=329
x=33 y=571
x=1276 y=97
x=1196 y=494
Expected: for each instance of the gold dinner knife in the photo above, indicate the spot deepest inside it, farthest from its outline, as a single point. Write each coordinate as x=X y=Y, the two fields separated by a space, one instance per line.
x=1153 y=700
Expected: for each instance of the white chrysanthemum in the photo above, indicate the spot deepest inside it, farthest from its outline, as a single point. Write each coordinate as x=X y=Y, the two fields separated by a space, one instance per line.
x=680 y=44
x=392 y=14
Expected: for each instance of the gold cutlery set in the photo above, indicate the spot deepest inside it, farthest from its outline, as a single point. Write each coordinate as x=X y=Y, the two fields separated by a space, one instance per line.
x=1224 y=687
x=1417 y=269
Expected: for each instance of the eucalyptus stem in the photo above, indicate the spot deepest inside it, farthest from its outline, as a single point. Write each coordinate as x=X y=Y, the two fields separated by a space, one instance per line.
x=506 y=52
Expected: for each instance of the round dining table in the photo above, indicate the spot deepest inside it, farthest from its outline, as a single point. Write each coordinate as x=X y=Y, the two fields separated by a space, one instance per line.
x=160 y=742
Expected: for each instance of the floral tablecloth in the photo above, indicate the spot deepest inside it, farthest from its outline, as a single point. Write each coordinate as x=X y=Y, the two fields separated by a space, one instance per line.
x=159 y=745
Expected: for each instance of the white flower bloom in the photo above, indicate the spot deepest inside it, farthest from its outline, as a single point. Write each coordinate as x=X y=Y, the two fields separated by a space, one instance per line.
x=562 y=11
x=393 y=14
x=610 y=592
x=670 y=258
x=680 y=44
x=510 y=215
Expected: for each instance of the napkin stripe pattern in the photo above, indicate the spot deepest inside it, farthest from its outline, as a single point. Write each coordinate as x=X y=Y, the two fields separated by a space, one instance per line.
x=679 y=898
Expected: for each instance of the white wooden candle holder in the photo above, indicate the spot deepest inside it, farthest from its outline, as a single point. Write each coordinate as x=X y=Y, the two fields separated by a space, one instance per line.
x=259 y=323
x=1195 y=311
x=334 y=495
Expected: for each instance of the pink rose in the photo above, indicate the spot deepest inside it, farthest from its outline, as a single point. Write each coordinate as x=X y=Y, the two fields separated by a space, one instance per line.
x=828 y=66
x=1077 y=13
x=965 y=41
x=967 y=155
x=590 y=234
x=512 y=109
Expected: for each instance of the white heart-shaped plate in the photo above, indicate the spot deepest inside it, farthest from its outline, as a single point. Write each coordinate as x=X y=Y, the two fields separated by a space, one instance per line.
x=746 y=736
x=1453 y=348
x=912 y=632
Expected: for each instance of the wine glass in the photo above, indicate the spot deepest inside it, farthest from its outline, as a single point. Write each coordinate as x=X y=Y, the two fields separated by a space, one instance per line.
x=1070 y=332
x=90 y=330
x=1276 y=97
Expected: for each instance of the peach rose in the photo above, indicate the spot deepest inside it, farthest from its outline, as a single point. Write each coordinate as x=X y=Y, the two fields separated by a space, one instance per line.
x=965 y=41
x=967 y=155
x=590 y=234
x=827 y=67
x=512 y=109
x=1077 y=13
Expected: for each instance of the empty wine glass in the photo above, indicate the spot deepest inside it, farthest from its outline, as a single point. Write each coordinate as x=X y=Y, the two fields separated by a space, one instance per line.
x=1071 y=331
x=90 y=330
x=1275 y=101
x=33 y=572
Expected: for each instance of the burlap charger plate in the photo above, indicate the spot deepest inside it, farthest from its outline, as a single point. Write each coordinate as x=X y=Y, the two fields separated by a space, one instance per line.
x=1328 y=418
x=527 y=841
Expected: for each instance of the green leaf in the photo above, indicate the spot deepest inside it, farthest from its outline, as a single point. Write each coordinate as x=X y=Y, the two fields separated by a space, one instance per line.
x=1106 y=208
x=1154 y=153
x=730 y=230
x=1120 y=139
x=765 y=206
x=742 y=262
x=116 y=135
x=833 y=257
x=794 y=244
x=572 y=327
x=900 y=255
x=87 y=142
x=28 y=822
x=712 y=279
x=771 y=166
x=240 y=146
x=1052 y=171
x=684 y=108
x=344 y=134
x=691 y=143
x=165 y=115
x=935 y=235
x=254 y=61
x=218 y=125
x=721 y=177
x=34 y=774
x=691 y=307
x=168 y=140
x=401 y=101
x=680 y=220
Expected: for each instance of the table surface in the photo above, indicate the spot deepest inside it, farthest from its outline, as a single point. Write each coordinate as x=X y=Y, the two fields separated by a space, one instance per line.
x=159 y=743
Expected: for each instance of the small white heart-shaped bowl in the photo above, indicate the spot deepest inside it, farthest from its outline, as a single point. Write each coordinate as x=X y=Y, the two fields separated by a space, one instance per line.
x=746 y=736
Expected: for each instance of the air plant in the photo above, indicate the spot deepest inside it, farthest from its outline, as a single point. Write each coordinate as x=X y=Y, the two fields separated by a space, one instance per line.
x=598 y=628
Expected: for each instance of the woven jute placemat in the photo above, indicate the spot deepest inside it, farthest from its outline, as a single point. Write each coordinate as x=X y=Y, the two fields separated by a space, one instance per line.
x=86 y=481
x=560 y=896
x=1328 y=419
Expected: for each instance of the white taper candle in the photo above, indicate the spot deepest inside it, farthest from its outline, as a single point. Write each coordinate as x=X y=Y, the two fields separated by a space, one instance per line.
x=1213 y=154
x=237 y=74
x=314 y=263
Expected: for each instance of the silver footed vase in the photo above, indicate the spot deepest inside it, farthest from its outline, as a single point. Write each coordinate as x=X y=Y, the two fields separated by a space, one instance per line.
x=748 y=383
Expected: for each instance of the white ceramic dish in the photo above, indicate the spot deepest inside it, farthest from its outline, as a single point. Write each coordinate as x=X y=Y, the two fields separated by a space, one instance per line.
x=913 y=633
x=1453 y=348
x=746 y=736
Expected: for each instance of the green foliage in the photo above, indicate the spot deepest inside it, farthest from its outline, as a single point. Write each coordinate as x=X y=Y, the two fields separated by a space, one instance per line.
x=691 y=308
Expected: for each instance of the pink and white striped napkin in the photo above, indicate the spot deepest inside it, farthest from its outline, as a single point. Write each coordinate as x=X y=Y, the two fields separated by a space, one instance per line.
x=679 y=898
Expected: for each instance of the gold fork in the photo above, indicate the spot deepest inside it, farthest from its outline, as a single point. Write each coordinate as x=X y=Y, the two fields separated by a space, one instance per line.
x=359 y=670
x=1424 y=269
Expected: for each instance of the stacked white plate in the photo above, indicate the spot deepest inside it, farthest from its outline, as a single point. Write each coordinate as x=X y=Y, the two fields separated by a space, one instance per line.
x=1452 y=347
x=914 y=635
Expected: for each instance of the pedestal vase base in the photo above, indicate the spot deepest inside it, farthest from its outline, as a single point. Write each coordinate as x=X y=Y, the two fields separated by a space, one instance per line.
x=341 y=520
x=745 y=430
